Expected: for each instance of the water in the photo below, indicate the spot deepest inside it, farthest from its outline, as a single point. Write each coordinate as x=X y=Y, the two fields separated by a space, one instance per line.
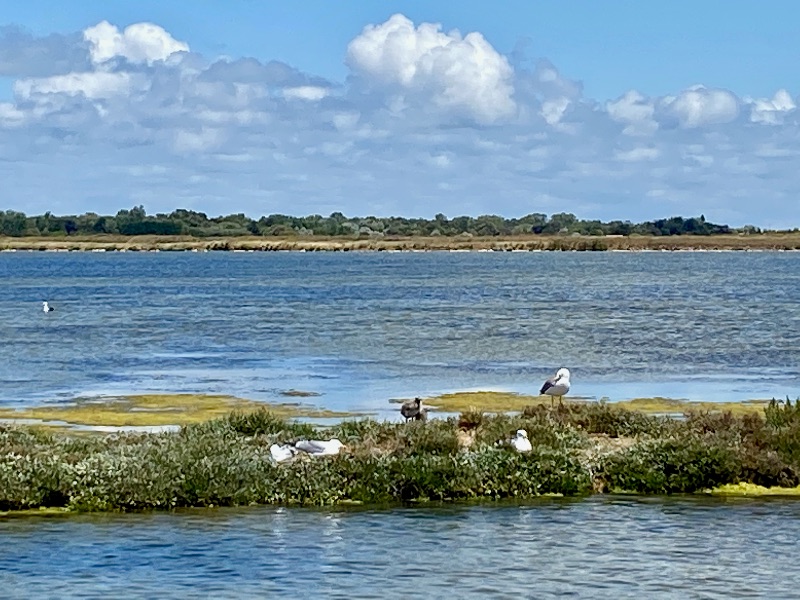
x=601 y=547
x=361 y=328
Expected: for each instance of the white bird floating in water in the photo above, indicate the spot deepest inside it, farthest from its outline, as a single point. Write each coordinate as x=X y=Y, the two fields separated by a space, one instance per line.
x=556 y=386
x=282 y=453
x=521 y=442
x=320 y=447
x=46 y=307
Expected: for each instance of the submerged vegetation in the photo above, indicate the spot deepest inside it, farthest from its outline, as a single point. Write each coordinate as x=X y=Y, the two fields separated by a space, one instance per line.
x=577 y=448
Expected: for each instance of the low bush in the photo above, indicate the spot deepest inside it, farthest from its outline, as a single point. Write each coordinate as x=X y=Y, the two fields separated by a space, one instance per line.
x=673 y=465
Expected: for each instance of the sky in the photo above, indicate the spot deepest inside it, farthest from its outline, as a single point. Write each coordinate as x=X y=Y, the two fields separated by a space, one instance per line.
x=609 y=110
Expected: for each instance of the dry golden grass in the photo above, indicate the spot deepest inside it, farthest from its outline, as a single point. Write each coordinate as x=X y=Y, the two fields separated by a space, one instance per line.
x=770 y=241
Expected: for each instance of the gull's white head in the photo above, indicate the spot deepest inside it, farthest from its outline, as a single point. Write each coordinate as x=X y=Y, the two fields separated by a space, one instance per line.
x=562 y=375
x=521 y=433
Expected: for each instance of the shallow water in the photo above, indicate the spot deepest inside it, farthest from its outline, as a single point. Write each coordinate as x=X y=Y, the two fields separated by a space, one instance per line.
x=601 y=547
x=361 y=328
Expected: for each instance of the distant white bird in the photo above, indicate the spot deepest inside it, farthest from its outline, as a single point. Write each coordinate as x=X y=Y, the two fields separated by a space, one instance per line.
x=281 y=453
x=521 y=442
x=46 y=307
x=557 y=385
x=320 y=447
x=412 y=410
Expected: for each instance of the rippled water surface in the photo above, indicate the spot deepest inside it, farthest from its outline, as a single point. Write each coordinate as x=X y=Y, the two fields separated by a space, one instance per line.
x=602 y=547
x=361 y=328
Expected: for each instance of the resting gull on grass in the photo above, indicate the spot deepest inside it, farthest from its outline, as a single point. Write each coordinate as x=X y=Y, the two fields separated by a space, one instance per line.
x=556 y=386
x=320 y=447
x=282 y=453
x=520 y=442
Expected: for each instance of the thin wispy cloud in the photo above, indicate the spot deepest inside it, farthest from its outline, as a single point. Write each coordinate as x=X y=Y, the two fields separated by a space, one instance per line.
x=428 y=120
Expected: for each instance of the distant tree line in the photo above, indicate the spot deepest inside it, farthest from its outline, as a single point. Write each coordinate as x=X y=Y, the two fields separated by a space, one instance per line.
x=188 y=222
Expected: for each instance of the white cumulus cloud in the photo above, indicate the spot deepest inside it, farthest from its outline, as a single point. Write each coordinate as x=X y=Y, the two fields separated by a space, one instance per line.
x=699 y=106
x=93 y=85
x=771 y=111
x=454 y=72
x=635 y=111
x=138 y=43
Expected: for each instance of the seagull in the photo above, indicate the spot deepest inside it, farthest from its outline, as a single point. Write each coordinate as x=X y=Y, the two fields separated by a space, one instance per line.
x=46 y=307
x=320 y=447
x=521 y=442
x=412 y=410
x=281 y=453
x=556 y=386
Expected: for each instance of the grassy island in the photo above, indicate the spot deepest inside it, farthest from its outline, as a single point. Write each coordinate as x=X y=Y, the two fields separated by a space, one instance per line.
x=578 y=449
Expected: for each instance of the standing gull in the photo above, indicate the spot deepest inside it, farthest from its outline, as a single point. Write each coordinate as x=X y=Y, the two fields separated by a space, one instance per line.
x=46 y=307
x=556 y=386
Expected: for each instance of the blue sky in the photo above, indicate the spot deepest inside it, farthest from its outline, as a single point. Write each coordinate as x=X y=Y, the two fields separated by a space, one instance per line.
x=612 y=109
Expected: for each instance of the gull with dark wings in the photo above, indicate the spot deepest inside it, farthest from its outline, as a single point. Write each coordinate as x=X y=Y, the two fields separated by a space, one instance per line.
x=556 y=386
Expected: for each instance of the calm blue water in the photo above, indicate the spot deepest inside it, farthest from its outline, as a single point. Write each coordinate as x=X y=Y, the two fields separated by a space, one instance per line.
x=361 y=328
x=602 y=547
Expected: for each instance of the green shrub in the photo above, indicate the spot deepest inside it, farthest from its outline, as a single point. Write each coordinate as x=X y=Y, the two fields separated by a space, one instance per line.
x=263 y=422
x=673 y=465
x=780 y=414
x=601 y=418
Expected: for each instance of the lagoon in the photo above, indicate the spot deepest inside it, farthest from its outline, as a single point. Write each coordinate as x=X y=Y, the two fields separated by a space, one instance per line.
x=360 y=328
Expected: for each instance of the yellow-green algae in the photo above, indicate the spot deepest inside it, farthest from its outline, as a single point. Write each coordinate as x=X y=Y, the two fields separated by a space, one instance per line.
x=42 y=511
x=150 y=410
x=498 y=402
x=751 y=489
x=659 y=405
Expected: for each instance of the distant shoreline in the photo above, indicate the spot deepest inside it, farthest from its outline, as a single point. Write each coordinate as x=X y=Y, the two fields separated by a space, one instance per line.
x=764 y=242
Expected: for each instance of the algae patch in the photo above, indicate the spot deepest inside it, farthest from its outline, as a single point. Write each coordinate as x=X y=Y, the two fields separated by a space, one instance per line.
x=487 y=401
x=154 y=410
x=751 y=489
x=660 y=405
x=501 y=402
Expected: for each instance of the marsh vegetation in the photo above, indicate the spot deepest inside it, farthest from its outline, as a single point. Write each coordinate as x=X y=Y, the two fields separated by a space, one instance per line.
x=577 y=449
